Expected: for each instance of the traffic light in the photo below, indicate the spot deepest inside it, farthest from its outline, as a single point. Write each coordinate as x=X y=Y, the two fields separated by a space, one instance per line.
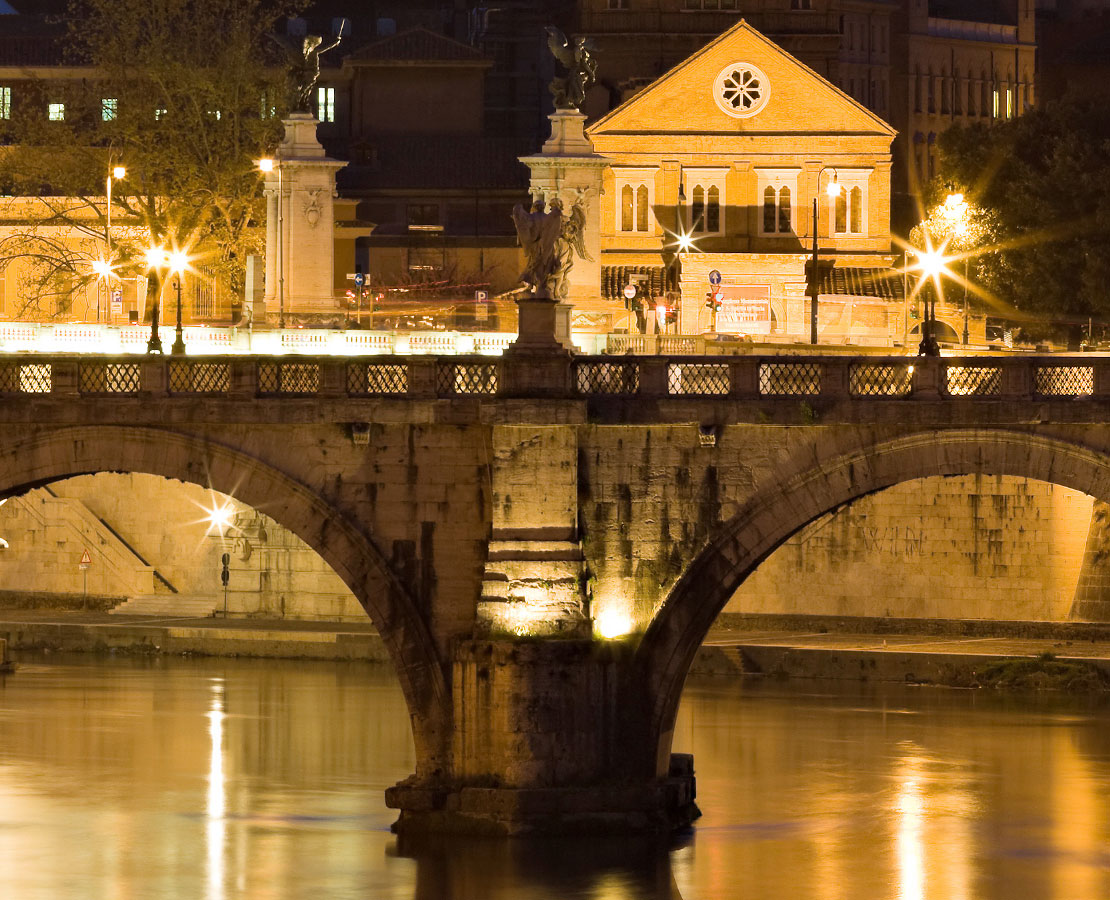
x=225 y=574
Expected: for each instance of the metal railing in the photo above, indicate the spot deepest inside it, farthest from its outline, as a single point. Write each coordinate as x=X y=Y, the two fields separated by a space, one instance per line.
x=867 y=379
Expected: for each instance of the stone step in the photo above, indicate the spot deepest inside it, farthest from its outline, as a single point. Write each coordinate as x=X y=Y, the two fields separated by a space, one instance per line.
x=166 y=605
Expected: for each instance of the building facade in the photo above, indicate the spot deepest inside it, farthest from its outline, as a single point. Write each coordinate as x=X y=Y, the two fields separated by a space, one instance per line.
x=708 y=196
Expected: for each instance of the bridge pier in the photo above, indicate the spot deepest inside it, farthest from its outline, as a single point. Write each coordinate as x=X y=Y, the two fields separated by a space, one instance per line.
x=547 y=739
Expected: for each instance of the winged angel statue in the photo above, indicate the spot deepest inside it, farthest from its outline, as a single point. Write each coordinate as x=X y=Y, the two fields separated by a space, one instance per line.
x=551 y=240
x=570 y=92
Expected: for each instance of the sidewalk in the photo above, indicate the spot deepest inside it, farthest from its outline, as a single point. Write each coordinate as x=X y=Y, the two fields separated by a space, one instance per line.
x=829 y=653
x=82 y=631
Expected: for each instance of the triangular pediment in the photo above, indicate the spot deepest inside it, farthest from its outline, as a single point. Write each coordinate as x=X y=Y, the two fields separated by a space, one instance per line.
x=767 y=90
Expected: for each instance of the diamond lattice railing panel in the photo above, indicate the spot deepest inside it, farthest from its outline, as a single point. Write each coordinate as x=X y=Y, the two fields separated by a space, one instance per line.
x=877 y=380
x=200 y=378
x=288 y=378
x=790 y=379
x=466 y=378
x=607 y=378
x=109 y=378
x=377 y=378
x=972 y=381
x=1064 y=381
x=698 y=378
x=26 y=378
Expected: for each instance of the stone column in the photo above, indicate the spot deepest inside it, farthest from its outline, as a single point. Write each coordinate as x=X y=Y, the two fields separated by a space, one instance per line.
x=567 y=168
x=307 y=220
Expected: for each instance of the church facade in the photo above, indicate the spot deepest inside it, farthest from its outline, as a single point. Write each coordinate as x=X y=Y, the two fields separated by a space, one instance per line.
x=707 y=182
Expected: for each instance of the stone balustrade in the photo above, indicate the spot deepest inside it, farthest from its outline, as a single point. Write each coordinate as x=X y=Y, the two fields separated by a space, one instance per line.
x=748 y=377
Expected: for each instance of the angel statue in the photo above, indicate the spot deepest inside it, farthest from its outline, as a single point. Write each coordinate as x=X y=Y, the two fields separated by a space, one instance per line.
x=571 y=243
x=581 y=67
x=539 y=234
x=303 y=54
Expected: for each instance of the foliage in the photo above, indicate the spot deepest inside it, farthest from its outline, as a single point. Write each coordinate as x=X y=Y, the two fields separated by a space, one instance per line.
x=1039 y=187
x=195 y=105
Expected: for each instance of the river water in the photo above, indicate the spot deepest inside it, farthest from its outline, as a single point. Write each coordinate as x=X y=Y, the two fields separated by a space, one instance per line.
x=205 y=779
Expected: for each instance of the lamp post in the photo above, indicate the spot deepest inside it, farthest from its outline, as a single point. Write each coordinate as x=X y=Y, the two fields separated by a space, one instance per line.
x=833 y=190
x=932 y=264
x=115 y=173
x=269 y=165
x=156 y=262
x=954 y=211
x=178 y=262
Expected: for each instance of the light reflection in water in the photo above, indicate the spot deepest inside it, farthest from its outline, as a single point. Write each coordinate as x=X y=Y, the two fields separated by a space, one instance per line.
x=908 y=841
x=216 y=826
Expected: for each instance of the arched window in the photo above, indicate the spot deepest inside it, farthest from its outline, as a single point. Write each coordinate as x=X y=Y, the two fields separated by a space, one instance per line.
x=626 y=208
x=931 y=88
x=957 y=94
x=642 y=208
x=855 y=210
x=769 y=209
x=784 y=210
x=917 y=89
x=970 y=95
x=984 y=95
x=713 y=209
x=697 y=209
x=841 y=225
x=944 y=88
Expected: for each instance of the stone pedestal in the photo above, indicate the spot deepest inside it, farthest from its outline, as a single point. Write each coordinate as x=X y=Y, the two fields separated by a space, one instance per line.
x=538 y=748
x=568 y=168
x=300 y=225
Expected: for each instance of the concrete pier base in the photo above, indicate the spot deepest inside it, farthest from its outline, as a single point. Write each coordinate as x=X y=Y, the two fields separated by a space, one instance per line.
x=541 y=745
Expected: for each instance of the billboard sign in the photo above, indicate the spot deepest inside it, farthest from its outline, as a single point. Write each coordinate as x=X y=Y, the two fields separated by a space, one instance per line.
x=745 y=309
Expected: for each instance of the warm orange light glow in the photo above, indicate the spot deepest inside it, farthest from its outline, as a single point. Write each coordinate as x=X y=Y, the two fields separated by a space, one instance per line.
x=266 y=165
x=101 y=268
x=119 y=172
x=154 y=257
x=833 y=188
x=178 y=260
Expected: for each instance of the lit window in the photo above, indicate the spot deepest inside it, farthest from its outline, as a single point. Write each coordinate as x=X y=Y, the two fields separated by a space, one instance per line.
x=635 y=193
x=994 y=103
x=56 y=112
x=5 y=102
x=777 y=189
x=108 y=108
x=325 y=104
x=706 y=188
x=1009 y=103
x=159 y=113
x=850 y=207
x=706 y=4
x=618 y=4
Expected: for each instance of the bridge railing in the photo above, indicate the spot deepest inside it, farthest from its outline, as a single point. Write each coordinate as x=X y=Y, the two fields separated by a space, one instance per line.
x=740 y=377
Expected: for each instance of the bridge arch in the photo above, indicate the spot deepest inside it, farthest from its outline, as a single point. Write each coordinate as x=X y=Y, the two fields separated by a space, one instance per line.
x=52 y=454
x=832 y=473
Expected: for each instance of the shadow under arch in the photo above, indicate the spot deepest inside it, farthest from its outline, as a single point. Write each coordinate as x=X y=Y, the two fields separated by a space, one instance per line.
x=66 y=451
x=832 y=475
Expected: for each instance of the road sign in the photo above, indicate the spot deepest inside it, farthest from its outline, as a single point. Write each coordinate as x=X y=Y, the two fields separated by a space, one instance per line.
x=481 y=296
x=630 y=291
x=117 y=302
x=360 y=279
x=86 y=560
x=714 y=277
x=481 y=312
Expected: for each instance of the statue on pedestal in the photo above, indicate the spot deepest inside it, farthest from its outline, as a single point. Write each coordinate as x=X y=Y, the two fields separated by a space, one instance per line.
x=303 y=54
x=569 y=92
x=571 y=243
x=538 y=232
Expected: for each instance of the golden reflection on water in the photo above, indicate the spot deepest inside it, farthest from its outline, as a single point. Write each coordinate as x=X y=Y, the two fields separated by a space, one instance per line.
x=264 y=780
x=216 y=831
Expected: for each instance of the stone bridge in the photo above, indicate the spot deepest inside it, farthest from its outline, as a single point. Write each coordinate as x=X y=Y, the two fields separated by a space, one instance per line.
x=543 y=541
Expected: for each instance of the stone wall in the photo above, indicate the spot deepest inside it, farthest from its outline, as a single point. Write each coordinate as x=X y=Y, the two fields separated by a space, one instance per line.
x=126 y=519
x=972 y=547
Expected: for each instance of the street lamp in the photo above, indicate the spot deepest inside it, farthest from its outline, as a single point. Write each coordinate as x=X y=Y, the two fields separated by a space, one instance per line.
x=833 y=190
x=115 y=173
x=178 y=262
x=155 y=261
x=931 y=264
x=269 y=165
x=103 y=272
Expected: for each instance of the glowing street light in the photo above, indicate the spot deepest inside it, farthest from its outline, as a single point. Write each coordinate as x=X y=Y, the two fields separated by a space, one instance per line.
x=178 y=262
x=156 y=262
x=116 y=173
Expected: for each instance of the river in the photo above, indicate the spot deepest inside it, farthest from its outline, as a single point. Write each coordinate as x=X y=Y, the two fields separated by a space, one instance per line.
x=210 y=779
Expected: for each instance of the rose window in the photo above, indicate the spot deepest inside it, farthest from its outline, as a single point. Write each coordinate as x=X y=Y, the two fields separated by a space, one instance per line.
x=741 y=90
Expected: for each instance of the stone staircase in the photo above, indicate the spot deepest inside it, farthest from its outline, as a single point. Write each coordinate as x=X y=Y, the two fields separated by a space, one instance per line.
x=172 y=605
